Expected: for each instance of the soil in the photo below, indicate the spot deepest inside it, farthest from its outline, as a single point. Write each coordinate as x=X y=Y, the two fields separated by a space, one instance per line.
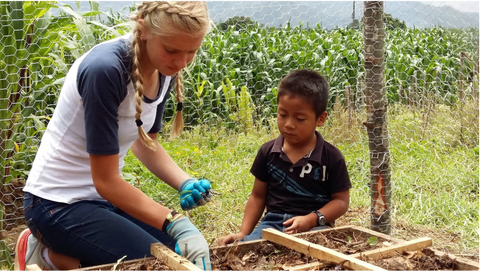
x=347 y=241
x=147 y=264
x=269 y=256
x=11 y=196
x=420 y=260
x=264 y=256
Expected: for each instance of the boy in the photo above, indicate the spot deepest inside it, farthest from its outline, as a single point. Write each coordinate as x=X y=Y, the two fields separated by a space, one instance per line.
x=300 y=178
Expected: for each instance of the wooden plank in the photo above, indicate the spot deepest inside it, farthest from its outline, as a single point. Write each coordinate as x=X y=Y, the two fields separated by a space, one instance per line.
x=353 y=229
x=316 y=251
x=172 y=259
x=305 y=267
x=378 y=234
x=237 y=245
x=463 y=264
x=306 y=233
x=394 y=249
x=375 y=254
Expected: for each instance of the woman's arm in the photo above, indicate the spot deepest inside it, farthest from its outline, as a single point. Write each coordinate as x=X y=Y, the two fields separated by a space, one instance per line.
x=159 y=163
x=110 y=185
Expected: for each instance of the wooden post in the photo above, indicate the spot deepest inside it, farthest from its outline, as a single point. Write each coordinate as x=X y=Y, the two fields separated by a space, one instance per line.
x=376 y=124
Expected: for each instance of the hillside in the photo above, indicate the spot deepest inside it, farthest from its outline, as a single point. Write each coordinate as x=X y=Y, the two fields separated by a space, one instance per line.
x=339 y=13
x=329 y=14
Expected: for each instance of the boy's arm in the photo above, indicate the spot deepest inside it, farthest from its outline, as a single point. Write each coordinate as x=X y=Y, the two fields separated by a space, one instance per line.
x=332 y=210
x=253 y=211
x=337 y=207
x=254 y=208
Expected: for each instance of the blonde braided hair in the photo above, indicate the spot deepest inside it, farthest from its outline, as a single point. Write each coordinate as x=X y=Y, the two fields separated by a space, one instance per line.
x=165 y=18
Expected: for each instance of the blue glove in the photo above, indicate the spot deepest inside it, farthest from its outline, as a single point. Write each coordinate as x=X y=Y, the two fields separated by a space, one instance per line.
x=190 y=242
x=194 y=193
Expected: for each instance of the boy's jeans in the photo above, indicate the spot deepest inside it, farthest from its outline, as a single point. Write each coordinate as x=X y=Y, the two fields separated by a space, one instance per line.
x=273 y=220
x=96 y=232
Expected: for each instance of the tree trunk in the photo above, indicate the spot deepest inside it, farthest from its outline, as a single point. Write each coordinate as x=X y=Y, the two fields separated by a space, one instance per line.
x=376 y=124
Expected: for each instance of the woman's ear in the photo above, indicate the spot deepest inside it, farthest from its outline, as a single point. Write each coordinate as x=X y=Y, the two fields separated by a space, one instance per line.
x=142 y=32
x=321 y=119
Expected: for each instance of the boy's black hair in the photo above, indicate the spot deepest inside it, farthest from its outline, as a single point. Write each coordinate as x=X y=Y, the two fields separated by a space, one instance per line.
x=308 y=85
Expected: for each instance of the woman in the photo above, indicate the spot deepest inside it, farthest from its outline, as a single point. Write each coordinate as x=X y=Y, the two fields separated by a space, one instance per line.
x=77 y=206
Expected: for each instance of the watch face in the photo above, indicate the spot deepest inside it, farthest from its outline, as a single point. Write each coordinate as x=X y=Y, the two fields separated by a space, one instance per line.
x=321 y=219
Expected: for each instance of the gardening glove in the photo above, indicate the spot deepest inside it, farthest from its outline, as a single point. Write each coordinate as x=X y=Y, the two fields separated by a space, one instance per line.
x=194 y=193
x=190 y=242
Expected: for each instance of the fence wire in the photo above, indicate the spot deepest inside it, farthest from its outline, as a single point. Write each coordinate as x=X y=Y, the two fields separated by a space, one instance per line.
x=428 y=79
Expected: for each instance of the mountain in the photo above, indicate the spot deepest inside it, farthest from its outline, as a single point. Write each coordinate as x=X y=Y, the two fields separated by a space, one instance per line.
x=328 y=14
x=331 y=14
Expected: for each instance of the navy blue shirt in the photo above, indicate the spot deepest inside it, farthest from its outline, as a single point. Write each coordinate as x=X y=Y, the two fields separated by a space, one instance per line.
x=305 y=186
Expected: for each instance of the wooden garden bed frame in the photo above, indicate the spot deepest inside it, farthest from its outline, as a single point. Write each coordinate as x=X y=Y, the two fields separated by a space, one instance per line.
x=296 y=242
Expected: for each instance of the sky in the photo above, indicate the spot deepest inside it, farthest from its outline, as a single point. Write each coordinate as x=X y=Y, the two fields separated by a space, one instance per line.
x=465 y=6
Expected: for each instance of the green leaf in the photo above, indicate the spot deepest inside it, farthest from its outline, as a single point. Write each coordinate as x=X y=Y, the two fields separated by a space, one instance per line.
x=373 y=241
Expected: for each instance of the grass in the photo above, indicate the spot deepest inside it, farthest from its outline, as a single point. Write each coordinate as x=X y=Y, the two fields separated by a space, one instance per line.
x=434 y=176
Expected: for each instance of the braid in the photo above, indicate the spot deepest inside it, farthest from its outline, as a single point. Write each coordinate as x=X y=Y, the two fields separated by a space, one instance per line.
x=165 y=18
x=177 y=126
x=165 y=6
x=137 y=75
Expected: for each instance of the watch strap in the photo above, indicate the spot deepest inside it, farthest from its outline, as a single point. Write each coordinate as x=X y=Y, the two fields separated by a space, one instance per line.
x=172 y=216
x=319 y=215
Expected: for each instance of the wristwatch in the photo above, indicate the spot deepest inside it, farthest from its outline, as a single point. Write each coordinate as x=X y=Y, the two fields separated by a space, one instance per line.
x=172 y=216
x=321 y=220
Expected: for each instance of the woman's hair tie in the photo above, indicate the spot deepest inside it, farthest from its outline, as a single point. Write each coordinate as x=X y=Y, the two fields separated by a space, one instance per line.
x=179 y=106
x=139 y=122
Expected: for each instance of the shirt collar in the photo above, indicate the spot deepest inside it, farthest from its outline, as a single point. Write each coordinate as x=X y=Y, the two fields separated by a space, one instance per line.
x=315 y=154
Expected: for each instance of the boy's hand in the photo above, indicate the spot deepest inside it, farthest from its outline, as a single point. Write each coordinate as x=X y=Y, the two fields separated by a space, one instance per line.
x=300 y=223
x=190 y=243
x=194 y=193
x=230 y=238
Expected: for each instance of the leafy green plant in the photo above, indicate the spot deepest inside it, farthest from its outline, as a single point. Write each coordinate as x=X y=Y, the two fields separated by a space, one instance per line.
x=26 y=40
x=372 y=241
x=245 y=110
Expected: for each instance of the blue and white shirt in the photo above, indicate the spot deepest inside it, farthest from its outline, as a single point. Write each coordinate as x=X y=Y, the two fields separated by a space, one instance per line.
x=95 y=114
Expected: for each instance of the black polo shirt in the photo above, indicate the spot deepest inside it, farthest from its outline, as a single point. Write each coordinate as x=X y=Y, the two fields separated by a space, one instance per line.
x=304 y=186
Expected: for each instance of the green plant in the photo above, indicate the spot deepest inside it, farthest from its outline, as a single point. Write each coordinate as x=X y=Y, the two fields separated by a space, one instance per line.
x=27 y=42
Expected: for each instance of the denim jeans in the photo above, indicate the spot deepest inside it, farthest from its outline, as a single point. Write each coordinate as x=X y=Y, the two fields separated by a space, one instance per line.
x=273 y=220
x=96 y=232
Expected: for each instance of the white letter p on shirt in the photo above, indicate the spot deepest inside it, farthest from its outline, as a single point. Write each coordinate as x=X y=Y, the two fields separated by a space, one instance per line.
x=306 y=170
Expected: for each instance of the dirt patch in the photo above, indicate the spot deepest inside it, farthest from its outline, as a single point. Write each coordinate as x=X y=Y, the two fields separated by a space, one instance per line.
x=420 y=260
x=10 y=236
x=11 y=197
x=443 y=240
x=347 y=241
x=146 y=264
x=265 y=255
x=257 y=256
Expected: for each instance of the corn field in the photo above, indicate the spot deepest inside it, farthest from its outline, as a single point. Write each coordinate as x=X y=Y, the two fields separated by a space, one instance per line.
x=429 y=82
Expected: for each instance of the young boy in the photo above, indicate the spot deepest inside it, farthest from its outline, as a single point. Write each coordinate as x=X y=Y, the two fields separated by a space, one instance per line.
x=300 y=178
